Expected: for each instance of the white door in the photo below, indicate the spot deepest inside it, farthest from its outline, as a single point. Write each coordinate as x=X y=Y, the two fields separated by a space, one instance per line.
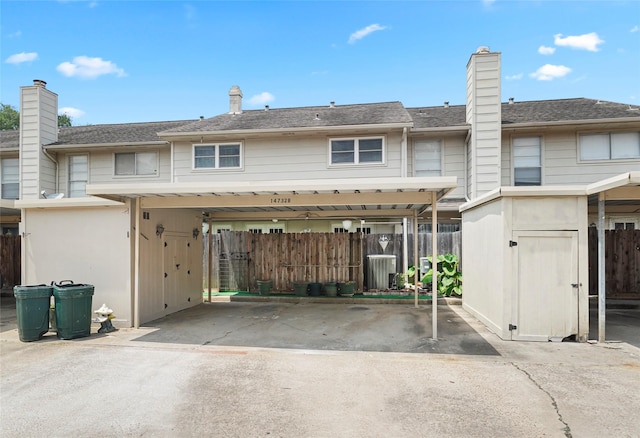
x=545 y=296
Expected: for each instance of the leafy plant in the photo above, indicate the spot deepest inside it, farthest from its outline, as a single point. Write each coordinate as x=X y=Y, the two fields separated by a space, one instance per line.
x=448 y=275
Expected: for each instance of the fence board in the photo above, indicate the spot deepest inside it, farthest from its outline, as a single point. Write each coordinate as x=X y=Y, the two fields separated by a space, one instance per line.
x=10 y=261
x=622 y=263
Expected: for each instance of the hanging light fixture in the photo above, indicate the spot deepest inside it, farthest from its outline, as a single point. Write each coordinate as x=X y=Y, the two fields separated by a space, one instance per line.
x=346 y=224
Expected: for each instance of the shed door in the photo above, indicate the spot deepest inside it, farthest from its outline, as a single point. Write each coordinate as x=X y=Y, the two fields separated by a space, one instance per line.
x=545 y=301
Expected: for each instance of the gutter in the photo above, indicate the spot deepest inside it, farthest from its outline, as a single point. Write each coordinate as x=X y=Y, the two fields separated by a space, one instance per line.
x=284 y=131
x=105 y=145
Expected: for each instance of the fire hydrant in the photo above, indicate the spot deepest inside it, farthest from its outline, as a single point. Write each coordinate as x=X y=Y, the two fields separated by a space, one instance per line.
x=104 y=317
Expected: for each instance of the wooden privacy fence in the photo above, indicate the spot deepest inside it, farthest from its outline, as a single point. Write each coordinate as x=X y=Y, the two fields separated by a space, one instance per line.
x=622 y=263
x=241 y=258
x=9 y=261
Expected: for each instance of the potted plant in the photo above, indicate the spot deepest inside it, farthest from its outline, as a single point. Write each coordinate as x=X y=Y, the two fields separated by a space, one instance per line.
x=346 y=288
x=264 y=287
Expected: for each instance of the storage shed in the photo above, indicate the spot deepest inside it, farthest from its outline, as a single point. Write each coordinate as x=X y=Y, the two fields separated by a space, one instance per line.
x=525 y=255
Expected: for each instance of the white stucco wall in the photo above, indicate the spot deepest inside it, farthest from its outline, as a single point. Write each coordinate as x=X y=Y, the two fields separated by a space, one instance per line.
x=85 y=245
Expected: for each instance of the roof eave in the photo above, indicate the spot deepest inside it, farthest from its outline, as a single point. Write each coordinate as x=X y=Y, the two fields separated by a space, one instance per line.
x=569 y=123
x=55 y=147
x=400 y=125
x=445 y=129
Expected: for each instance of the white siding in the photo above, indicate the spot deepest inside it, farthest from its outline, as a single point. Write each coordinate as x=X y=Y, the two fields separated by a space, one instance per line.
x=38 y=126
x=484 y=114
x=561 y=165
x=453 y=161
x=288 y=158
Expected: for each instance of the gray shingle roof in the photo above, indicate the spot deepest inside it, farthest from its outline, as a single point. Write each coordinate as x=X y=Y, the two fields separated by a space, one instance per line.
x=539 y=111
x=303 y=117
x=10 y=139
x=117 y=133
x=536 y=111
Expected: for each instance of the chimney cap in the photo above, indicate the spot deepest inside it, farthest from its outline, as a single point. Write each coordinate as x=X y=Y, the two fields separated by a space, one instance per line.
x=332 y=104
x=446 y=104
x=483 y=49
x=39 y=83
x=511 y=100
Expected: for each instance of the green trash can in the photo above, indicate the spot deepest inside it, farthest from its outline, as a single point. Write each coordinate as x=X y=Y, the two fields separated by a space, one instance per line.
x=32 y=310
x=73 y=309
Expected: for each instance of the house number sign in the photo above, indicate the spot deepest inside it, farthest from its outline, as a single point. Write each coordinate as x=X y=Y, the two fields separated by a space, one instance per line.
x=281 y=200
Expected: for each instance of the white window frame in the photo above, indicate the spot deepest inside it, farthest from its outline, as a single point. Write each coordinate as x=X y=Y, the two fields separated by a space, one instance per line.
x=266 y=228
x=415 y=154
x=5 y=180
x=356 y=151
x=609 y=159
x=216 y=156
x=69 y=180
x=135 y=174
x=513 y=159
x=635 y=220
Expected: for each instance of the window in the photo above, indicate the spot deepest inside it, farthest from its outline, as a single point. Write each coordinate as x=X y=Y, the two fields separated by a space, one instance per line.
x=217 y=156
x=610 y=146
x=136 y=163
x=10 y=178
x=78 y=175
x=442 y=228
x=624 y=226
x=527 y=168
x=365 y=230
x=357 y=151
x=428 y=158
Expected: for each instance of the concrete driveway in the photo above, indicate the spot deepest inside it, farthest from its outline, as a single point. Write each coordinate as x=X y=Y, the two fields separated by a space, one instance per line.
x=349 y=371
x=341 y=327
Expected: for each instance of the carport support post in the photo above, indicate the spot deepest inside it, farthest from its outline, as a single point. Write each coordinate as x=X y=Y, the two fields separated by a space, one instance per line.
x=416 y=273
x=434 y=263
x=210 y=254
x=136 y=261
x=601 y=270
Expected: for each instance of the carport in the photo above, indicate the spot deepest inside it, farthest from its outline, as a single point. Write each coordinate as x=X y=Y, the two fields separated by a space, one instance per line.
x=622 y=193
x=353 y=198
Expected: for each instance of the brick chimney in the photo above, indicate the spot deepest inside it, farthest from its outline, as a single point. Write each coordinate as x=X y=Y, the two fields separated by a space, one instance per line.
x=235 y=100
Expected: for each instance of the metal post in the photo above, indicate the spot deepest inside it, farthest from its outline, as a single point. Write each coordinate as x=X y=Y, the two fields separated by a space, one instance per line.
x=434 y=263
x=415 y=256
x=136 y=264
x=601 y=270
x=405 y=245
x=210 y=255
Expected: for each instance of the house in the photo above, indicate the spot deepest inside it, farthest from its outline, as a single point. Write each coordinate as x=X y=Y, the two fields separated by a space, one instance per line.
x=135 y=194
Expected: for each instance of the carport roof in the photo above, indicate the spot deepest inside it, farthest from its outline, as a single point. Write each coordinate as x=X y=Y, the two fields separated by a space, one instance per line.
x=312 y=199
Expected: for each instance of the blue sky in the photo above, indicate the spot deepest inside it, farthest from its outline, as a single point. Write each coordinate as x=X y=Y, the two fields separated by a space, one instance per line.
x=134 y=61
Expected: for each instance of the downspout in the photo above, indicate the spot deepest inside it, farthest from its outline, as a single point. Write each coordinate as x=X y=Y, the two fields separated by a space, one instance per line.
x=466 y=166
x=404 y=154
x=54 y=161
x=171 y=179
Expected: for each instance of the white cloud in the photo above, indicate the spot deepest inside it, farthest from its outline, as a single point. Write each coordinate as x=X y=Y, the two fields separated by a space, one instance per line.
x=89 y=68
x=262 y=98
x=18 y=34
x=549 y=72
x=588 y=41
x=544 y=50
x=359 y=34
x=635 y=29
x=514 y=77
x=74 y=113
x=488 y=2
x=19 y=58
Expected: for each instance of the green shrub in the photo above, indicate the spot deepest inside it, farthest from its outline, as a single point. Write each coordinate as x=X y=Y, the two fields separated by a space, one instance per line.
x=448 y=275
